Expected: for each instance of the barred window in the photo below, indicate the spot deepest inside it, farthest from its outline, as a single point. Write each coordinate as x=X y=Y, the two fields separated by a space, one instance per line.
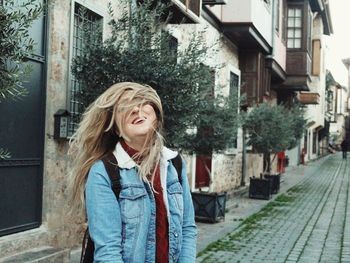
x=294 y=27
x=86 y=28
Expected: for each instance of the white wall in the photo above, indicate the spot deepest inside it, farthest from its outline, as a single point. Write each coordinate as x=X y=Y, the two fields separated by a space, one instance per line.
x=254 y=11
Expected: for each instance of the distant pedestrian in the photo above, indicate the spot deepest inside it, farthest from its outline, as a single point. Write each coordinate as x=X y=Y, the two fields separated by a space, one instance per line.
x=344 y=148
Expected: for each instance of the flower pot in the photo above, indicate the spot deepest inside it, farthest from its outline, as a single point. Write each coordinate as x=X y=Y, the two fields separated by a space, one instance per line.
x=209 y=207
x=276 y=181
x=260 y=188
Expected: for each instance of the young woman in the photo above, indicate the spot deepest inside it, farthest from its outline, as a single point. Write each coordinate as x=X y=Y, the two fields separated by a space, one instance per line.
x=153 y=218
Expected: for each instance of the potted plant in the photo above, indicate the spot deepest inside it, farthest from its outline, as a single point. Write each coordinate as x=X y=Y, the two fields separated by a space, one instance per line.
x=181 y=79
x=216 y=129
x=271 y=129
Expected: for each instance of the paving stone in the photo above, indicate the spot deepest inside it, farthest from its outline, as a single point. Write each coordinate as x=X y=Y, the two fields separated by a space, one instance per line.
x=313 y=227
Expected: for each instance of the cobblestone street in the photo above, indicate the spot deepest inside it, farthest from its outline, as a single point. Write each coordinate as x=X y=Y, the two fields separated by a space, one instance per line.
x=308 y=223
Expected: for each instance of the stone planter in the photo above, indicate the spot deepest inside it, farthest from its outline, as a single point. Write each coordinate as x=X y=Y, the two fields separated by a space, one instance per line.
x=209 y=207
x=260 y=188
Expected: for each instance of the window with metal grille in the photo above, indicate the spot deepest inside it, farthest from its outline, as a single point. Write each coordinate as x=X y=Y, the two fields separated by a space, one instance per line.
x=87 y=27
x=294 y=27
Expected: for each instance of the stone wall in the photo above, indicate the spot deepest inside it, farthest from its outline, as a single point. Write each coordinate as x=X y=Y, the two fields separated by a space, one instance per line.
x=63 y=230
x=254 y=164
x=227 y=173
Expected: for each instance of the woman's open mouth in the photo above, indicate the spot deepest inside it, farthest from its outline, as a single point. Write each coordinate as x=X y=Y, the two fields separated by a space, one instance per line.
x=138 y=121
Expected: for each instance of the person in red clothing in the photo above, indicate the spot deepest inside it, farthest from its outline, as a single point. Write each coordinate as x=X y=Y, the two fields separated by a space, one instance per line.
x=153 y=218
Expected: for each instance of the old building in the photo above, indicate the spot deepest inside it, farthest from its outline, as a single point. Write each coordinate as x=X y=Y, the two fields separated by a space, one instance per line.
x=305 y=24
x=336 y=110
x=34 y=194
x=269 y=50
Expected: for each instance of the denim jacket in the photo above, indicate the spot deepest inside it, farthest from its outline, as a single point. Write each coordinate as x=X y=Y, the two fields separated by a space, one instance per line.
x=124 y=229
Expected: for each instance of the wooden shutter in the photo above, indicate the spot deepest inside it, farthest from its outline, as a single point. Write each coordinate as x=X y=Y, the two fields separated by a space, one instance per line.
x=316 y=57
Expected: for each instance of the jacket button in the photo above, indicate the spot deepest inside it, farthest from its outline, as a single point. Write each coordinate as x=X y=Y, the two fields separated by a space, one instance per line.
x=175 y=234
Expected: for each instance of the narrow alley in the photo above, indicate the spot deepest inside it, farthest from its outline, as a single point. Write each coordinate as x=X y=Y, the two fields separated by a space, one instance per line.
x=308 y=223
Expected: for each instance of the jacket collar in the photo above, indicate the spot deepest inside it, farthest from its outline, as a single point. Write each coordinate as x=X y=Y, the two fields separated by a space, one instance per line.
x=126 y=162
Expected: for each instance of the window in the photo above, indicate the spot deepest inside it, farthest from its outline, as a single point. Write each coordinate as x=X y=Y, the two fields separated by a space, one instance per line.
x=234 y=89
x=309 y=33
x=234 y=83
x=206 y=130
x=294 y=27
x=173 y=46
x=86 y=27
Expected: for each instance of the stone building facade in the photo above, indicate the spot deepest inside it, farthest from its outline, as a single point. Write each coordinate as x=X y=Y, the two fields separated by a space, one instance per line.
x=58 y=230
x=241 y=57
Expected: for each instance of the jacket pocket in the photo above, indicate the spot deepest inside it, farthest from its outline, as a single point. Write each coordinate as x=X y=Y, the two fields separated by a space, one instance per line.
x=132 y=201
x=175 y=194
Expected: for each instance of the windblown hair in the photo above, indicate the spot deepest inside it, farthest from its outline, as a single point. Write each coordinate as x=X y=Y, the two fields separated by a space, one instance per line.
x=102 y=126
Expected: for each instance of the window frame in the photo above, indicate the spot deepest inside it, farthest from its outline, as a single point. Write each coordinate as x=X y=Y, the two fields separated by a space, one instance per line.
x=309 y=28
x=294 y=28
x=234 y=70
x=98 y=11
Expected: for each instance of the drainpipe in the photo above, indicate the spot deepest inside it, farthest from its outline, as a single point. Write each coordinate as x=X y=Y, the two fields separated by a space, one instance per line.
x=274 y=7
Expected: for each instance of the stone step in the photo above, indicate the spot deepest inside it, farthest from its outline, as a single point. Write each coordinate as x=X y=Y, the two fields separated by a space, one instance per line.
x=39 y=255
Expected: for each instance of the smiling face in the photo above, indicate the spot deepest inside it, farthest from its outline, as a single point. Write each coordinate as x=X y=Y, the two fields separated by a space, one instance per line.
x=139 y=122
x=136 y=119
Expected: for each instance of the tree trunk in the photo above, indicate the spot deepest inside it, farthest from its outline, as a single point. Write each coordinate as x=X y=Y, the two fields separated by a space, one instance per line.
x=267 y=162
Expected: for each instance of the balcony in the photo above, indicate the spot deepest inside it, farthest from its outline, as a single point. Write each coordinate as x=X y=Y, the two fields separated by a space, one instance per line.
x=246 y=23
x=298 y=71
x=185 y=11
x=309 y=97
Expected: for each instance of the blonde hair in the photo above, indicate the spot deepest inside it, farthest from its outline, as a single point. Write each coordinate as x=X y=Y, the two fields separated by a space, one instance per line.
x=100 y=130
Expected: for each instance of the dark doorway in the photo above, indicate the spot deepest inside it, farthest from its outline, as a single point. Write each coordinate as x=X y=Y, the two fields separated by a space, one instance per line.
x=22 y=134
x=203 y=170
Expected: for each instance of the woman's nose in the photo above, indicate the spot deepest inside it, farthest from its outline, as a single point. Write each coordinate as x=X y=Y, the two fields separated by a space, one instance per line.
x=136 y=109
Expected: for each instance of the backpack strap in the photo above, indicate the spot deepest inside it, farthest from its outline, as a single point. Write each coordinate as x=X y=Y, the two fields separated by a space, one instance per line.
x=177 y=162
x=111 y=165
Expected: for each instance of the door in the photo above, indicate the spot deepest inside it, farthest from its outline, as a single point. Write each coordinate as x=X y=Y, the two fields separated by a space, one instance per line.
x=203 y=169
x=22 y=134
